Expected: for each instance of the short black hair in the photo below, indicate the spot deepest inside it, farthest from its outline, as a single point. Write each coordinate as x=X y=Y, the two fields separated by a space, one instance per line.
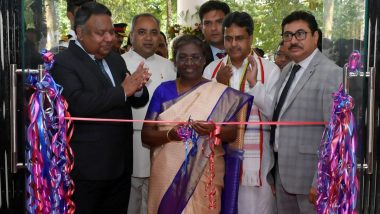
x=129 y=40
x=259 y=51
x=163 y=35
x=73 y=4
x=213 y=5
x=185 y=40
x=87 y=10
x=135 y=18
x=241 y=19
x=319 y=44
x=301 y=15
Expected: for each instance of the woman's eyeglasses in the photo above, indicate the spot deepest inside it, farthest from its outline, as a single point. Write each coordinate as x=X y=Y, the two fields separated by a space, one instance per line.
x=192 y=58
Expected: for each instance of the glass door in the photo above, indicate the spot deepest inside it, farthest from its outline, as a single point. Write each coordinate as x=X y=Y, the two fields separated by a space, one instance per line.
x=10 y=184
x=26 y=27
x=351 y=25
x=370 y=194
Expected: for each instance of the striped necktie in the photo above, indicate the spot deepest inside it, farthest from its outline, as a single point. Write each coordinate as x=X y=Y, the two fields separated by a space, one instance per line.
x=99 y=62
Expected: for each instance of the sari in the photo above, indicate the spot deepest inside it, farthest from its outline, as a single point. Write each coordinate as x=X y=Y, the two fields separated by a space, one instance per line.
x=177 y=182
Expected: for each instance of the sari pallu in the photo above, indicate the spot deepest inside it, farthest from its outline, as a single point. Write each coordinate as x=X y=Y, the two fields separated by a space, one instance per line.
x=177 y=184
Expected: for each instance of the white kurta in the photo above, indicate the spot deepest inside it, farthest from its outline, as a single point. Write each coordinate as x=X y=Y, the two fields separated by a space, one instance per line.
x=162 y=70
x=73 y=37
x=254 y=198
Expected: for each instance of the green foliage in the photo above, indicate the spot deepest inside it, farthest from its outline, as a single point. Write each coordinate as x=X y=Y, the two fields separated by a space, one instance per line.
x=267 y=16
x=64 y=23
x=28 y=14
x=348 y=19
x=124 y=10
x=176 y=29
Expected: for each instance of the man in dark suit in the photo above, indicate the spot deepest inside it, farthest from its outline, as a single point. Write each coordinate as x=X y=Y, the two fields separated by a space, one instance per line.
x=211 y=14
x=96 y=84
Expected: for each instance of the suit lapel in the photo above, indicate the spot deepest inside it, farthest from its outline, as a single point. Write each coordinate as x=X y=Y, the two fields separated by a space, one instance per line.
x=302 y=81
x=114 y=70
x=280 y=81
x=91 y=64
x=88 y=63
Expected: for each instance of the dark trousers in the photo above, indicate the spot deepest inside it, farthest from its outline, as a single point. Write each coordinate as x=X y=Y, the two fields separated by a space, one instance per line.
x=109 y=196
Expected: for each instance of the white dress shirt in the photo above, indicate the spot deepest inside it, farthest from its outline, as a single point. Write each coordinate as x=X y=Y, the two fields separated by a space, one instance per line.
x=215 y=51
x=263 y=94
x=73 y=37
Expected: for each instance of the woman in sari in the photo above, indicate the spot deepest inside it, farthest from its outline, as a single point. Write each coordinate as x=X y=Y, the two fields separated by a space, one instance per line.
x=181 y=181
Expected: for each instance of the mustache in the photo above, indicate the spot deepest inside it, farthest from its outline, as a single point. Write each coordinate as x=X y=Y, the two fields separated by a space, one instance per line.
x=294 y=46
x=235 y=49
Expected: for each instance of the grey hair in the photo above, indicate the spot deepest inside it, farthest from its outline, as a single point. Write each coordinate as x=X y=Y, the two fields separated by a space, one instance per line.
x=135 y=18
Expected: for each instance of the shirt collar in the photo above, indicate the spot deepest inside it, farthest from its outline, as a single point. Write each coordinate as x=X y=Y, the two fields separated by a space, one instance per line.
x=304 y=63
x=73 y=35
x=216 y=50
x=79 y=45
x=139 y=57
x=242 y=65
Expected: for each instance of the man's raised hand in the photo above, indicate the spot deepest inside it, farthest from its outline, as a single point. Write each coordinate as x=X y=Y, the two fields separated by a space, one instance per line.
x=137 y=80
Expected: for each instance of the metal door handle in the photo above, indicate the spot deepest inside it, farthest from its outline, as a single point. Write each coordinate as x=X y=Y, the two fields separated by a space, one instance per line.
x=346 y=83
x=13 y=112
x=371 y=105
x=13 y=109
x=371 y=120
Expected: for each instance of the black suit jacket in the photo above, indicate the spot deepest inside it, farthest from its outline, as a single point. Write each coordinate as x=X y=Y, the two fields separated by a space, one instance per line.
x=209 y=56
x=102 y=150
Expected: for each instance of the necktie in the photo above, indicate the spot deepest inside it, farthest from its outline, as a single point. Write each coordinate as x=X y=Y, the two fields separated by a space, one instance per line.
x=99 y=62
x=281 y=101
x=221 y=55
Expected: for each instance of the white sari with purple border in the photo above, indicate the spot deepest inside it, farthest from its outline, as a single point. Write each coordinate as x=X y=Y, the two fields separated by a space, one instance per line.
x=177 y=183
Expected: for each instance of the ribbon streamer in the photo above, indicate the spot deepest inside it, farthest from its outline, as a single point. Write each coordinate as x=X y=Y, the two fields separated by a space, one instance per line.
x=214 y=140
x=49 y=158
x=354 y=64
x=337 y=180
x=185 y=132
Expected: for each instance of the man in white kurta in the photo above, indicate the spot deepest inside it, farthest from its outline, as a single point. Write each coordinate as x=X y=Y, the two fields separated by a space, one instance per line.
x=144 y=38
x=255 y=194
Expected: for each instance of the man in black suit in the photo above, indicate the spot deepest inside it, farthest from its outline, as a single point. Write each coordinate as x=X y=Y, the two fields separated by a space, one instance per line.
x=211 y=14
x=96 y=84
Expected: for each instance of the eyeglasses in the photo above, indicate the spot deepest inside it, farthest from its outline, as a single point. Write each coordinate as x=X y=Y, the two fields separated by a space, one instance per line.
x=299 y=34
x=193 y=58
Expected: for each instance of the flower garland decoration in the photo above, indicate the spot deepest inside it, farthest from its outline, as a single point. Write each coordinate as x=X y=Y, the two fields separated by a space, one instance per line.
x=177 y=29
x=49 y=158
x=337 y=180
